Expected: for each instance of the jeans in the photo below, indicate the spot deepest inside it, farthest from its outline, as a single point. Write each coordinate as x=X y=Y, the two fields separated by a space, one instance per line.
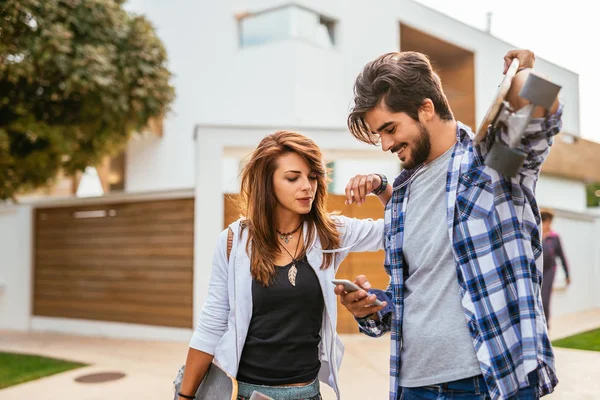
x=308 y=392
x=466 y=389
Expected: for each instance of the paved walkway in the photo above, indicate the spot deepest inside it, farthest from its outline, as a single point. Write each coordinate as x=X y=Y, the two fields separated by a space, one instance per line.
x=151 y=366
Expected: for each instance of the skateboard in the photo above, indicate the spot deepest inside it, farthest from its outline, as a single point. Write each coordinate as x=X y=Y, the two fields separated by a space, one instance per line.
x=216 y=385
x=508 y=158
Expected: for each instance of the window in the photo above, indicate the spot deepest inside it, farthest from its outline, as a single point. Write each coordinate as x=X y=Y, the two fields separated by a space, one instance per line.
x=286 y=22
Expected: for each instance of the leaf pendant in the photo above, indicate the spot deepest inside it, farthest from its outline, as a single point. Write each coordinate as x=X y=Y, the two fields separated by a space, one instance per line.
x=292 y=274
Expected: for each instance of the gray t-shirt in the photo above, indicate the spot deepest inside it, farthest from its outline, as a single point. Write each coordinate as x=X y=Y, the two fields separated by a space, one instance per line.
x=436 y=343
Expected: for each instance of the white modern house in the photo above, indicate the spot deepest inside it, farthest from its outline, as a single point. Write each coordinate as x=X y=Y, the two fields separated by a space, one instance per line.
x=244 y=69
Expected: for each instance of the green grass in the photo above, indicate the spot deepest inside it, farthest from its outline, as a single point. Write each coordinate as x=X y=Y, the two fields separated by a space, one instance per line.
x=584 y=341
x=19 y=368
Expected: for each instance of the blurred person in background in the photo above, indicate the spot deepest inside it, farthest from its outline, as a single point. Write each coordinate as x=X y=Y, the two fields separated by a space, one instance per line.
x=552 y=250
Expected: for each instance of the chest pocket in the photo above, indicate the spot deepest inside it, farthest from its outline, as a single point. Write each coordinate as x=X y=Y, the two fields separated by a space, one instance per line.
x=475 y=195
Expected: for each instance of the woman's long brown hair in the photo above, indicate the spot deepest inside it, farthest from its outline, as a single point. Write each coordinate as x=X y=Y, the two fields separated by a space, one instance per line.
x=258 y=202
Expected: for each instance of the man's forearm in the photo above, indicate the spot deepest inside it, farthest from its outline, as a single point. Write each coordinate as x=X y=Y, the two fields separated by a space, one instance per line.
x=386 y=195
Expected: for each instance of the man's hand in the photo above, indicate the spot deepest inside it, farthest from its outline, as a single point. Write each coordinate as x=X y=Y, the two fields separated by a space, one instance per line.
x=526 y=59
x=358 y=303
x=360 y=186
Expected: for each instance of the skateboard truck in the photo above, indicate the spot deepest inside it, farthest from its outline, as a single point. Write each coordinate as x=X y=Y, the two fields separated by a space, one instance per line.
x=507 y=159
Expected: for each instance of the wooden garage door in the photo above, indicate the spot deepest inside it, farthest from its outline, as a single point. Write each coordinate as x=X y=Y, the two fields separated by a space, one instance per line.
x=126 y=262
x=369 y=264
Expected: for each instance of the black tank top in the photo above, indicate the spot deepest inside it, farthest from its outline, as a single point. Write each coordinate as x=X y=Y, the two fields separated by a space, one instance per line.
x=282 y=345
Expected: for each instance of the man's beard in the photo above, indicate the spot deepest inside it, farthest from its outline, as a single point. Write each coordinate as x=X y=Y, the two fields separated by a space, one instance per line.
x=420 y=148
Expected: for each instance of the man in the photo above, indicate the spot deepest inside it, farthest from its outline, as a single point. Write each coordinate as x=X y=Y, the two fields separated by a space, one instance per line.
x=463 y=247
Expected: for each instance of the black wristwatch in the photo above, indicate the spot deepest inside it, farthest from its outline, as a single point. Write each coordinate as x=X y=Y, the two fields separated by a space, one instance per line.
x=382 y=187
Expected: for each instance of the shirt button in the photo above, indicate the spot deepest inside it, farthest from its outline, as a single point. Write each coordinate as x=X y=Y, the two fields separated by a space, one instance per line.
x=472 y=327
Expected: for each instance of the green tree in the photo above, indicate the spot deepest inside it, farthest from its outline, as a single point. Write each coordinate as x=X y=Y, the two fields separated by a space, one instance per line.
x=77 y=77
x=593 y=194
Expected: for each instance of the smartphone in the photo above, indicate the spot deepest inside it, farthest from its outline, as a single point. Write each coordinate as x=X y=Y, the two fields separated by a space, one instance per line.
x=352 y=287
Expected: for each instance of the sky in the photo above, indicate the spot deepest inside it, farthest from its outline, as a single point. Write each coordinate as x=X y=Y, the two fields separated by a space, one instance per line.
x=566 y=33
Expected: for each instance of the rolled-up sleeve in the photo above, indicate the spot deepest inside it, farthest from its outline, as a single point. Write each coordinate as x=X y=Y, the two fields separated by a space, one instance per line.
x=377 y=328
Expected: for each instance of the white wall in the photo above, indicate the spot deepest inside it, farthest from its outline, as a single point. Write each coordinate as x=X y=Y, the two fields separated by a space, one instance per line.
x=231 y=174
x=289 y=83
x=16 y=249
x=167 y=163
x=561 y=193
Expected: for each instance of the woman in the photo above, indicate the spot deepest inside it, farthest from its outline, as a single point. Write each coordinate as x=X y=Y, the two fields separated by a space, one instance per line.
x=552 y=249
x=270 y=316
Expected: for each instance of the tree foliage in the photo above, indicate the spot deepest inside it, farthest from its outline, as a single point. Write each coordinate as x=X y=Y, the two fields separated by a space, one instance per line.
x=77 y=77
x=593 y=194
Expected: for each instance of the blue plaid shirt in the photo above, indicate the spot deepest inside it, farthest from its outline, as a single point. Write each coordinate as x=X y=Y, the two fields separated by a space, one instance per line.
x=494 y=226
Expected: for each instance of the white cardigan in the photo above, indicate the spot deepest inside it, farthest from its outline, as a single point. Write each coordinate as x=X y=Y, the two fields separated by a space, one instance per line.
x=226 y=314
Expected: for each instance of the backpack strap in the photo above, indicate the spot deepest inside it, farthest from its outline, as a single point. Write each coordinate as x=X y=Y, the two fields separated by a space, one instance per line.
x=229 y=242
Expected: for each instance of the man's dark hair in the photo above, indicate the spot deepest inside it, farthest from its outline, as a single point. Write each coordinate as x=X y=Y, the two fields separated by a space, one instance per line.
x=403 y=80
x=547 y=215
